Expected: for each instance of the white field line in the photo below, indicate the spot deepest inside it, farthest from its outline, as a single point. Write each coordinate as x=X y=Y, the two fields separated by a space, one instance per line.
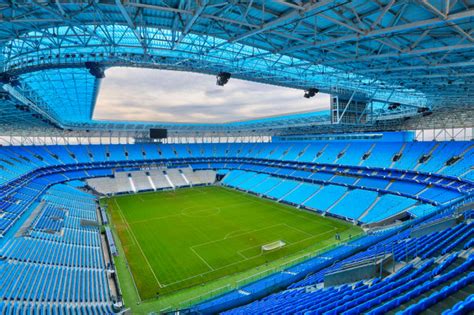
x=185 y=209
x=250 y=199
x=290 y=244
x=232 y=232
x=242 y=255
x=138 y=244
x=257 y=200
x=240 y=261
x=129 y=231
x=203 y=260
x=252 y=231
x=300 y=230
x=190 y=215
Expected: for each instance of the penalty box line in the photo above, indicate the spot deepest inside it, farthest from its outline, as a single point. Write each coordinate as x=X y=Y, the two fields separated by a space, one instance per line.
x=243 y=260
x=289 y=244
x=202 y=259
x=223 y=267
x=240 y=252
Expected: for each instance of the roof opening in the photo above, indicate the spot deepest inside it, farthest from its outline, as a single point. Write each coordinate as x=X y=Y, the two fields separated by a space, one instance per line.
x=173 y=96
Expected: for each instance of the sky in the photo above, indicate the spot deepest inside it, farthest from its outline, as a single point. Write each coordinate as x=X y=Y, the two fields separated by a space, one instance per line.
x=173 y=96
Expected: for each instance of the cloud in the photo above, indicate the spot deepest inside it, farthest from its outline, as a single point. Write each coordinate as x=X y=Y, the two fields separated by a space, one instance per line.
x=173 y=96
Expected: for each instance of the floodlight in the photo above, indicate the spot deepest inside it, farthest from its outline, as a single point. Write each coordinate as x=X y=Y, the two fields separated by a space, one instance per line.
x=223 y=78
x=310 y=92
x=7 y=78
x=95 y=69
x=393 y=106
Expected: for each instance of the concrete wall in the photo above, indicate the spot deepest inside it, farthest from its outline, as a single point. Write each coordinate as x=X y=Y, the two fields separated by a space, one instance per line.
x=352 y=275
x=357 y=272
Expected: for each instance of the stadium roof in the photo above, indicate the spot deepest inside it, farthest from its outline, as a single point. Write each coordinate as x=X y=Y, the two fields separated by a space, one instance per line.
x=415 y=53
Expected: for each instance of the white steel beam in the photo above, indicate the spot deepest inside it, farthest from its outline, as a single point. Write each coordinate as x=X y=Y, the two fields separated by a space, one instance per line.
x=384 y=31
x=131 y=24
x=295 y=13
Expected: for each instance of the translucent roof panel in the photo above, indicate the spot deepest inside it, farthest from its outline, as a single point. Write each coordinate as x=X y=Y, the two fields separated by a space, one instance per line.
x=69 y=93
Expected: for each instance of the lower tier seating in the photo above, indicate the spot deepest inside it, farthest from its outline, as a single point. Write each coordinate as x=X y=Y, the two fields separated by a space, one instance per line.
x=365 y=206
x=435 y=277
x=54 y=264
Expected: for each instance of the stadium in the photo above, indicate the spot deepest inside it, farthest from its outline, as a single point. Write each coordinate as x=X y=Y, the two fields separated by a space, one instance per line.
x=362 y=207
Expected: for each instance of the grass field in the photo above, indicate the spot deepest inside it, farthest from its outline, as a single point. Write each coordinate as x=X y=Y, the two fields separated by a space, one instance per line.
x=177 y=239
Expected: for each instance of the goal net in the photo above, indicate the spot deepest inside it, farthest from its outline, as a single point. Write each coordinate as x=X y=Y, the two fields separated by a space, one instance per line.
x=274 y=245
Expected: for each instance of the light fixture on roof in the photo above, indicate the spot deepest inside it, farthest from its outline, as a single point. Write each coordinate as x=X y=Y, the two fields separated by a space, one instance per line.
x=424 y=111
x=222 y=78
x=95 y=69
x=310 y=92
x=393 y=106
x=7 y=78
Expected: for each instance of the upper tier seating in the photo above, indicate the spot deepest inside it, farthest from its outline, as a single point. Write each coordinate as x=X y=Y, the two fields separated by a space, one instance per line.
x=16 y=161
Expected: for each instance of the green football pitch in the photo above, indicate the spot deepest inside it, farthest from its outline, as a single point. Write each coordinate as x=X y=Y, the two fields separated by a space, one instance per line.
x=178 y=239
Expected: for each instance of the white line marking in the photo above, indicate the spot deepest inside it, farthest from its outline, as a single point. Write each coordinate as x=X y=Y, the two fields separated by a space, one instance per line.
x=138 y=244
x=240 y=261
x=212 y=269
x=289 y=244
x=252 y=231
x=250 y=199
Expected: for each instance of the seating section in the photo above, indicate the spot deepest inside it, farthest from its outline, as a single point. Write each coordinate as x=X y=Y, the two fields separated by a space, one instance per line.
x=203 y=177
x=387 y=206
x=159 y=180
x=365 y=206
x=443 y=275
x=151 y=180
x=14 y=205
x=301 y=193
x=51 y=262
x=140 y=181
x=123 y=182
x=426 y=246
x=16 y=161
x=326 y=197
x=280 y=190
x=462 y=307
x=51 y=220
x=176 y=177
x=56 y=264
x=354 y=203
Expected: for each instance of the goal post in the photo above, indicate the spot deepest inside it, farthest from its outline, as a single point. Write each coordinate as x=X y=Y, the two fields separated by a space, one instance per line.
x=273 y=246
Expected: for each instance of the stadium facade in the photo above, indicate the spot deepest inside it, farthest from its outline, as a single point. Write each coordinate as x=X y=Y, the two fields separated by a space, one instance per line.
x=400 y=74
